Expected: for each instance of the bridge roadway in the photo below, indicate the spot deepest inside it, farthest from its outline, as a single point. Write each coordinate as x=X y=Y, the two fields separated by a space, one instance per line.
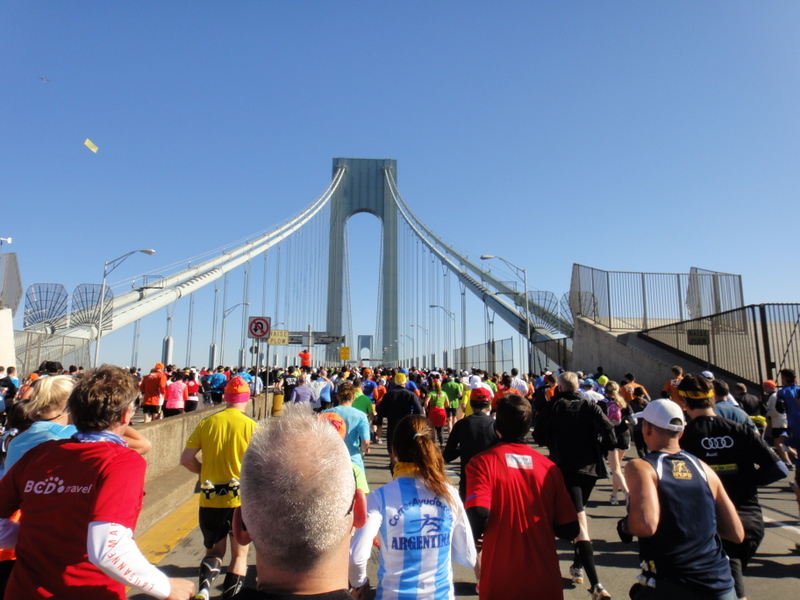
x=175 y=544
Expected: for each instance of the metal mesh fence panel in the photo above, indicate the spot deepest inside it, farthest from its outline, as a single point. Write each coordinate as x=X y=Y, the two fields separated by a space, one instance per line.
x=635 y=301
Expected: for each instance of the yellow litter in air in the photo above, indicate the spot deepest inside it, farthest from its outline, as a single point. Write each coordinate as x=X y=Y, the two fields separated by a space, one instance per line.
x=88 y=143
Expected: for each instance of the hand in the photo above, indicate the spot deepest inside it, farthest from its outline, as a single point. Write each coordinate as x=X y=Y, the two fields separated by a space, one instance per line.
x=622 y=530
x=361 y=593
x=180 y=589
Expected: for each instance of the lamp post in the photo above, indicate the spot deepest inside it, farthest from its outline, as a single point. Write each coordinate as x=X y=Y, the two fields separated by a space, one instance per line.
x=452 y=315
x=413 y=347
x=426 y=342
x=527 y=311
x=225 y=314
x=107 y=269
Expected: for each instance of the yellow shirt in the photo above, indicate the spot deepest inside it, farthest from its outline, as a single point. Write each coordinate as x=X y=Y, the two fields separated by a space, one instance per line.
x=223 y=438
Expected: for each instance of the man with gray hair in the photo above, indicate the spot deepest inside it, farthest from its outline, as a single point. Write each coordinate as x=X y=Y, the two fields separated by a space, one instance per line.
x=298 y=508
x=578 y=435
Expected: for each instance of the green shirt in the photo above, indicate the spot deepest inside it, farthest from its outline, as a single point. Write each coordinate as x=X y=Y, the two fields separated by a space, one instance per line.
x=364 y=404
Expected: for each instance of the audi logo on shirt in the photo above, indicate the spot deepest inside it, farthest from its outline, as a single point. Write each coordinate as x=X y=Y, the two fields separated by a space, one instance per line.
x=717 y=443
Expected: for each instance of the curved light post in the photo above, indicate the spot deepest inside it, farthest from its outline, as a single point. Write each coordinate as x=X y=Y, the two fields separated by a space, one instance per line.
x=107 y=269
x=452 y=315
x=426 y=342
x=413 y=348
x=527 y=311
x=225 y=314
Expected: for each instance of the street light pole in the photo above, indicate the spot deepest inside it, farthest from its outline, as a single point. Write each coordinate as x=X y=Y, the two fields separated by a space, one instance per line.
x=426 y=342
x=527 y=311
x=225 y=314
x=413 y=347
x=107 y=269
x=452 y=315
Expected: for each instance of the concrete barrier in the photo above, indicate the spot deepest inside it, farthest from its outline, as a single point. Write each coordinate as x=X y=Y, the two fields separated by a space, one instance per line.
x=167 y=484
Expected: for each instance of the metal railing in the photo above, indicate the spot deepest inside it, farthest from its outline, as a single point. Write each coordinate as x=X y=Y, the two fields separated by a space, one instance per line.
x=494 y=357
x=635 y=301
x=752 y=343
x=32 y=348
x=552 y=354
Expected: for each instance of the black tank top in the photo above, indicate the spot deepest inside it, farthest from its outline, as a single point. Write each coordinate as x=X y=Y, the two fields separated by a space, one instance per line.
x=686 y=547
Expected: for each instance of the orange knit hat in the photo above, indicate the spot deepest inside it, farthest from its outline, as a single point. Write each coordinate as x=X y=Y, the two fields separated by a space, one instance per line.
x=237 y=391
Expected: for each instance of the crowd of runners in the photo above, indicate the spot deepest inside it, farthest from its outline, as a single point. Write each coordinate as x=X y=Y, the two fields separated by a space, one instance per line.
x=685 y=465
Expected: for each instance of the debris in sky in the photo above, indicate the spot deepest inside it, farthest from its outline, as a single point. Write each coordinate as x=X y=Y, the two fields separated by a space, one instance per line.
x=45 y=80
x=88 y=143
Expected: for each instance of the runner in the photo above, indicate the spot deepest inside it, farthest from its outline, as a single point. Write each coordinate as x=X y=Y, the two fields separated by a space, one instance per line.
x=419 y=521
x=93 y=484
x=223 y=438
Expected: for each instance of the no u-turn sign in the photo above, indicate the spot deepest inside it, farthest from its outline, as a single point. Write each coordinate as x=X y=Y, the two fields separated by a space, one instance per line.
x=258 y=328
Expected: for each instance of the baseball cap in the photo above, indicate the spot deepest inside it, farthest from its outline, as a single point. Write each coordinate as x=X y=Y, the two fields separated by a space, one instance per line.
x=475 y=381
x=661 y=413
x=708 y=375
x=588 y=383
x=400 y=378
x=480 y=394
x=769 y=384
x=159 y=366
x=237 y=391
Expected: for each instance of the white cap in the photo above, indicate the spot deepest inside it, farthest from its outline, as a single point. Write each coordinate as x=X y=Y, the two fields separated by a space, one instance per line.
x=708 y=375
x=661 y=413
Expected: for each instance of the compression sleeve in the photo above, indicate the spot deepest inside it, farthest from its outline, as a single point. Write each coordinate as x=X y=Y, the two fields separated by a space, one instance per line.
x=8 y=533
x=361 y=545
x=110 y=547
x=464 y=552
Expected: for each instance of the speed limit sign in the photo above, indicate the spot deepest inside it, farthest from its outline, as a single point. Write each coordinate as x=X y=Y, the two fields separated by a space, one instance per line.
x=258 y=328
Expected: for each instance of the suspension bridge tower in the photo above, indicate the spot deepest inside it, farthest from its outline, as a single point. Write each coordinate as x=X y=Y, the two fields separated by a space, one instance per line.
x=364 y=188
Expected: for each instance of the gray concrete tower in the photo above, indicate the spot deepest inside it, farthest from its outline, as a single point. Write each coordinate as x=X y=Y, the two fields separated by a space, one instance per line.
x=364 y=189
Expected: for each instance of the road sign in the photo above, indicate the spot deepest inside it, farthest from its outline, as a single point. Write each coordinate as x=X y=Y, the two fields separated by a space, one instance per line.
x=258 y=328
x=279 y=337
x=344 y=353
x=698 y=337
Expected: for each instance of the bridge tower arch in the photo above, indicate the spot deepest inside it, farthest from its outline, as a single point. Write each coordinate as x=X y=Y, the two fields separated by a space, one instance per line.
x=363 y=189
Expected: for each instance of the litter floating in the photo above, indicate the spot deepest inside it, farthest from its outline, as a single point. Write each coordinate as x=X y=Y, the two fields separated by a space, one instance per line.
x=90 y=145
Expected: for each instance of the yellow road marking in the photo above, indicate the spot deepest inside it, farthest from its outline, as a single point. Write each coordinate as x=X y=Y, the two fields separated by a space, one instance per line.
x=162 y=537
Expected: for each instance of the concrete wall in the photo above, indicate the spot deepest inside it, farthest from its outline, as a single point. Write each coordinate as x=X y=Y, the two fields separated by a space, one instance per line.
x=167 y=484
x=620 y=353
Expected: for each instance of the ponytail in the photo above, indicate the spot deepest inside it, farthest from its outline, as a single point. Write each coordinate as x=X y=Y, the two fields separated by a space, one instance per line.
x=414 y=442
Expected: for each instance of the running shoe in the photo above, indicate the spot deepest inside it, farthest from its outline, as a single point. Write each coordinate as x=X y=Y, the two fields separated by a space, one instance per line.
x=614 y=500
x=599 y=592
x=576 y=573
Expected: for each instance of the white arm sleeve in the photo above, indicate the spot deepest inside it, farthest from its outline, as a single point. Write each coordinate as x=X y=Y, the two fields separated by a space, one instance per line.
x=112 y=550
x=8 y=533
x=463 y=548
x=361 y=544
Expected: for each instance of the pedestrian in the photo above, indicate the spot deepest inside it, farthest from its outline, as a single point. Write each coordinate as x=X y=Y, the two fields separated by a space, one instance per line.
x=299 y=506
x=620 y=414
x=578 y=435
x=419 y=520
x=471 y=435
x=740 y=458
x=357 y=437
x=223 y=438
x=517 y=501
x=679 y=510
x=95 y=484
x=153 y=388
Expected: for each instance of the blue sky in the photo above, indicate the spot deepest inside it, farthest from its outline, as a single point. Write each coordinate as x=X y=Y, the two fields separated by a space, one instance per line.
x=621 y=135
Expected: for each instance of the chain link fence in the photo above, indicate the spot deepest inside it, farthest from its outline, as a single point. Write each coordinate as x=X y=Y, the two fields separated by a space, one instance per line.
x=33 y=348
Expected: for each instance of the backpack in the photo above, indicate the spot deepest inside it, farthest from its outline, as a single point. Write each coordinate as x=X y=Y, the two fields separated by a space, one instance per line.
x=614 y=413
